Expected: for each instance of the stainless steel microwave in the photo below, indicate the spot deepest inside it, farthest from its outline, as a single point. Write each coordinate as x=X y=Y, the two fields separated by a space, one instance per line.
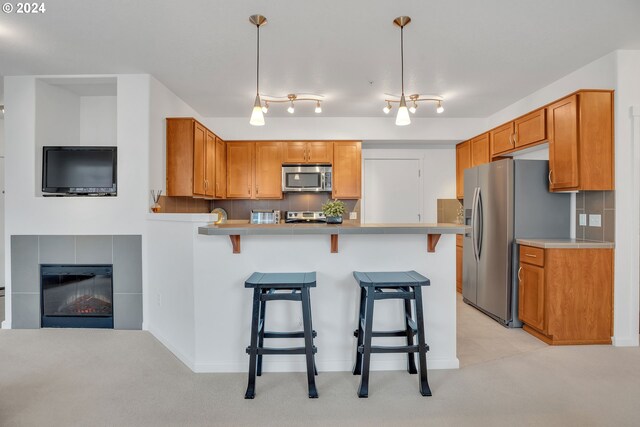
x=312 y=178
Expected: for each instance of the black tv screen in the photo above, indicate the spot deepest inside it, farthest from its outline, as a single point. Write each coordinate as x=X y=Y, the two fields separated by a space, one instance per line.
x=79 y=170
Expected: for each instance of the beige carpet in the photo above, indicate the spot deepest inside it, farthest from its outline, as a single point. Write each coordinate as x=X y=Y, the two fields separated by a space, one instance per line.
x=127 y=378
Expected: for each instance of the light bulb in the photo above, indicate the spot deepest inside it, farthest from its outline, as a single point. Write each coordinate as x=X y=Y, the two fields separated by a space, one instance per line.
x=403 y=119
x=387 y=108
x=291 y=109
x=265 y=109
x=257 y=119
x=413 y=108
x=318 y=108
x=440 y=108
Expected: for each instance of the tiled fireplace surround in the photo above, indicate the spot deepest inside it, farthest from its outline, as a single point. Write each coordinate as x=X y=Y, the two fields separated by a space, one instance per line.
x=123 y=251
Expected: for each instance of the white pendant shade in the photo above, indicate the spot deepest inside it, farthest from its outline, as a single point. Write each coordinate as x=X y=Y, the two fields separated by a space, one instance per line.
x=403 y=119
x=257 y=117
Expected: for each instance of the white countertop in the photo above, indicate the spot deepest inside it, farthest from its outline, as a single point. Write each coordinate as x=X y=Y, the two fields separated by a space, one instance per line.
x=565 y=244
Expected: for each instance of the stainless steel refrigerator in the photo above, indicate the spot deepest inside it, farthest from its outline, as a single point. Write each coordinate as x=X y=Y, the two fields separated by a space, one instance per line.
x=503 y=201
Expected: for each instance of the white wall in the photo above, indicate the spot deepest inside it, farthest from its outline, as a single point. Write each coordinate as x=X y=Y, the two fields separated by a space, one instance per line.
x=346 y=128
x=28 y=214
x=98 y=120
x=619 y=71
x=163 y=104
x=438 y=172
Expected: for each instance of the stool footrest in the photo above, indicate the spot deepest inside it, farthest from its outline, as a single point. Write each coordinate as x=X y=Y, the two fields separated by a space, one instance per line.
x=290 y=350
x=297 y=334
x=393 y=295
x=280 y=297
x=399 y=333
x=393 y=349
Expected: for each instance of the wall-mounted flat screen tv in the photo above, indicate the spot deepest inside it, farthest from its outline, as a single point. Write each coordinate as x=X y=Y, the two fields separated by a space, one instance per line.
x=79 y=171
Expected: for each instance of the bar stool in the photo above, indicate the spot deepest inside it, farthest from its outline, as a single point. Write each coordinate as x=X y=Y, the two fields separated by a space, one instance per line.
x=280 y=286
x=405 y=285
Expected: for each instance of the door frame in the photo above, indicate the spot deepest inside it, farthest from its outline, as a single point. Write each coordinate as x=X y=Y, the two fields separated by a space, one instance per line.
x=395 y=155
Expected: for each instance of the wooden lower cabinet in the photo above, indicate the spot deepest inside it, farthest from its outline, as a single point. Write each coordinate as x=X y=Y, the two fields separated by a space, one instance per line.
x=459 y=240
x=566 y=295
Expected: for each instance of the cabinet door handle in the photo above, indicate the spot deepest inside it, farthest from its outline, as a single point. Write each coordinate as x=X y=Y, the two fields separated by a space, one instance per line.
x=205 y=184
x=519 y=270
x=308 y=156
x=511 y=139
x=515 y=138
x=248 y=189
x=257 y=189
x=550 y=180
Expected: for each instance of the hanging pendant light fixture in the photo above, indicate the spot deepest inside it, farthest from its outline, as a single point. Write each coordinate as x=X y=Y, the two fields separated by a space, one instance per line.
x=259 y=110
x=257 y=116
x=403 y=118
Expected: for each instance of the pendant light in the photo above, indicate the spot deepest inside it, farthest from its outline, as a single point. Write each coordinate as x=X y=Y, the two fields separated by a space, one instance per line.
x=402 y=117
x=257 y=116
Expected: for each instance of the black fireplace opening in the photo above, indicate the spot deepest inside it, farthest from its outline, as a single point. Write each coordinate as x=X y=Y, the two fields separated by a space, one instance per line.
x=76 y=296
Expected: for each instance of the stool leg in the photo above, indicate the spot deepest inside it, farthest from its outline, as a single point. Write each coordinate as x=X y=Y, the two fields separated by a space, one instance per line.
x=363 y=391
x=253 y=348
x=357 y=367
x=263 y=307
x=308 y=341
x=422 y=345
x=315 y=369
x=411 y=359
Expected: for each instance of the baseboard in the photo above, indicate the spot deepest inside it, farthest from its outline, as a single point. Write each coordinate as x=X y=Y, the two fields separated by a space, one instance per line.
x=6 y=324
x=180 y=355
x=275 y=365
x=631 y=341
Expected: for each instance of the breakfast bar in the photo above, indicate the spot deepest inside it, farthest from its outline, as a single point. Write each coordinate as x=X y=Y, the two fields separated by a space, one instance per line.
x=202 y=311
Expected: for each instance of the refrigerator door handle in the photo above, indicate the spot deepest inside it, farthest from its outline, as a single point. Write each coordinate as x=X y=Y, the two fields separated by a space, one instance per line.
x=473 y=223
x=480 y=214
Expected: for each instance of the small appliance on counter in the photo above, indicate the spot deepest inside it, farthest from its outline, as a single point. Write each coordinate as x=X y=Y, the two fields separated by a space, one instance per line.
x=265 y=216
x=304 y=216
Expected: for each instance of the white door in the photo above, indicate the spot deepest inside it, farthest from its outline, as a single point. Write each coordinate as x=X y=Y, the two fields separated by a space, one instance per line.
x=392 y=191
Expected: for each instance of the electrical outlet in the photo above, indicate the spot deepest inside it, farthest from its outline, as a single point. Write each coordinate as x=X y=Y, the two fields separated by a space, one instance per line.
x=595 y=220
x=583 y=220
x=353 y=215
x=159 y=299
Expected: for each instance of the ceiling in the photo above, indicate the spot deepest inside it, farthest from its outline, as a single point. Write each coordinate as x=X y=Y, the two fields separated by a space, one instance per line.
x=480 y=55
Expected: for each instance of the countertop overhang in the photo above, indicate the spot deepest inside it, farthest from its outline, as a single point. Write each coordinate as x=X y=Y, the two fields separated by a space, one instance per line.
x=565 y=244
x=234 y=231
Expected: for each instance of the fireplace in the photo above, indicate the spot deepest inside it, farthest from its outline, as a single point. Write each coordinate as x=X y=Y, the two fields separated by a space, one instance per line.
x=76 y=296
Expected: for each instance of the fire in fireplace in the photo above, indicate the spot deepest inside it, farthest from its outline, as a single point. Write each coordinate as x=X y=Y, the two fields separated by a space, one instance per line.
x=76 y=296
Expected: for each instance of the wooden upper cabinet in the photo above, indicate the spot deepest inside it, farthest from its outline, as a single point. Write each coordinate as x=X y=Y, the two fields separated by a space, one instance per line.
x=240 y=170
x=580 y=134
x=501 y=139
x=190 y=158
x=295 y=152
x=221 y=170
x=308 y=152
x=480 y=150
x=463 y=161
x=530 y=129
x=210 y=166
x=347 y=164
x=268 y=170
x=319 y=152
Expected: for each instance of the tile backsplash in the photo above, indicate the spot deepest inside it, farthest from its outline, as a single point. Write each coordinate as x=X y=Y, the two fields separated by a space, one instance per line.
x=596 y=203
x=448 y=210
x=241 y=209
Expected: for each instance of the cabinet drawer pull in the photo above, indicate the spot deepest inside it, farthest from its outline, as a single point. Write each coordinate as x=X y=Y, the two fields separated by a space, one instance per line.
x=519 y=270
x=531 y=255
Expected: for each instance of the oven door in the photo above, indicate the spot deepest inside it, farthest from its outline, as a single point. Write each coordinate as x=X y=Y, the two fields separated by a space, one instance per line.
x=303 y=178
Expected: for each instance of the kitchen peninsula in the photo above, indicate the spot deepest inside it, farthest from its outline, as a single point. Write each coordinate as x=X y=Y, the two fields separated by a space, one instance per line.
x=206 y=309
